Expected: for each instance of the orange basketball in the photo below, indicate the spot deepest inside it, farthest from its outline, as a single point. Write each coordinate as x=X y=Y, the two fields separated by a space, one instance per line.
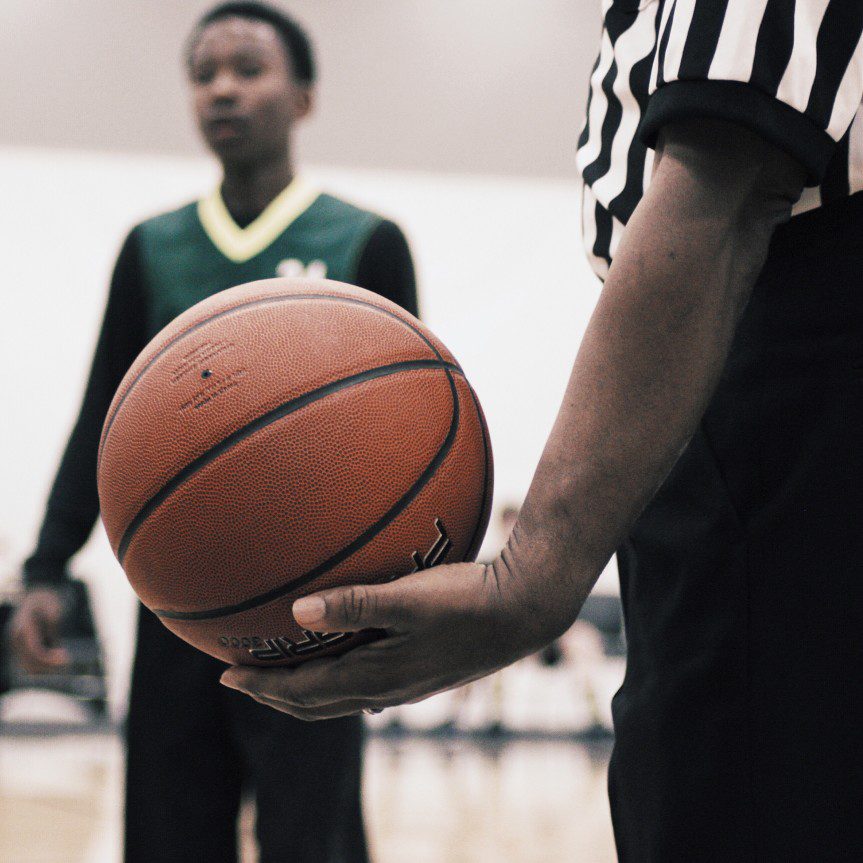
x=279 y=438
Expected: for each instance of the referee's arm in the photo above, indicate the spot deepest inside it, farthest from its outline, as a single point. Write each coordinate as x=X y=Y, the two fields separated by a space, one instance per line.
x=653 y=351
x=747 y=102
x=644 y=373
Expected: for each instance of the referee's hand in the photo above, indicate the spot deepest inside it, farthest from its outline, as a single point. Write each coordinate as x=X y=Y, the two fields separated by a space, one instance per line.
x=34 y=631
x=444 y=626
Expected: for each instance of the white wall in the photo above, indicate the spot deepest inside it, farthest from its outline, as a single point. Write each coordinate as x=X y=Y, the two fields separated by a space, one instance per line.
x=502 y=277
x=484 y=86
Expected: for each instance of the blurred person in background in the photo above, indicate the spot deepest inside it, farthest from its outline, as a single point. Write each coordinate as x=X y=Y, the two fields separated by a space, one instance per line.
x=193 y=747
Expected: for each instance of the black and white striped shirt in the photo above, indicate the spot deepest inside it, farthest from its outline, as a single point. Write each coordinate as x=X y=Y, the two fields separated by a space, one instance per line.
x=791 y=70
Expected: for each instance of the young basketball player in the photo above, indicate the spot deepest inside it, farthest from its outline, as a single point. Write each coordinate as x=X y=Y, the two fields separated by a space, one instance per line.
x=194 y=747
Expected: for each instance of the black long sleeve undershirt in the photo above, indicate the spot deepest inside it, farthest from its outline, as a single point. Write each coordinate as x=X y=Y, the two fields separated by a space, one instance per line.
x=73 y=503
x=385 y=267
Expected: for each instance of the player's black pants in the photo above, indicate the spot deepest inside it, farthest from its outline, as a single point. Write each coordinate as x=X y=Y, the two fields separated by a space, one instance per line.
x=194 y=747
x=740 y=723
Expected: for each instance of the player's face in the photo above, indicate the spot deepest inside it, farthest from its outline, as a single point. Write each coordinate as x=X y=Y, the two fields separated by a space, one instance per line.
x=244 y=93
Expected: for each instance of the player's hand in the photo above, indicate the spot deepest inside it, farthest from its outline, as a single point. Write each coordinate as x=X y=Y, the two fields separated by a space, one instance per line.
x=34 y=631
x=444 y=627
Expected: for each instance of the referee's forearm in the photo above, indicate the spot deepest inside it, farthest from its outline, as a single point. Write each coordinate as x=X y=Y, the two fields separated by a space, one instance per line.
x=650 y=358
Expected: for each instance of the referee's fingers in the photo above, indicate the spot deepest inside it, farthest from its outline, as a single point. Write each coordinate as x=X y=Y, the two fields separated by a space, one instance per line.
x=352 y=608
x=336 y=710
x=310 y=686
x=361 y=675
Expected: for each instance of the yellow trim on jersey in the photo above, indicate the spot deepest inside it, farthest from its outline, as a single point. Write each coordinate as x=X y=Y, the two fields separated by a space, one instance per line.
x=241 y=244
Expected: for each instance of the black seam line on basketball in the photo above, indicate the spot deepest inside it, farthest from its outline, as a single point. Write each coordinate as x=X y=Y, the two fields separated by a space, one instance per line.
x=485 y=466
x=243 y=307
x=343 y=554
x=259 y=423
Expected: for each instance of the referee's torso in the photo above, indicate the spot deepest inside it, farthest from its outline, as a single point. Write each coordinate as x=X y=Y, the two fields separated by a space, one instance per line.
x=738 y=723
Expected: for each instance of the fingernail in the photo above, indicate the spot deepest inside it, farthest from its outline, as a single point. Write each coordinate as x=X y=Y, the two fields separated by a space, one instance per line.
x=309 y=610
x=225 y=680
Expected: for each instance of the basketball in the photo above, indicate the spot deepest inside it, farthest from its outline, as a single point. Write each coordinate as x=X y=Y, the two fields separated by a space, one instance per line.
x=280 y=438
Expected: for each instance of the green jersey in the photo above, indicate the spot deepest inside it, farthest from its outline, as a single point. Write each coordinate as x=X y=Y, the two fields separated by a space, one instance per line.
x=198 y=250
x=169 y=263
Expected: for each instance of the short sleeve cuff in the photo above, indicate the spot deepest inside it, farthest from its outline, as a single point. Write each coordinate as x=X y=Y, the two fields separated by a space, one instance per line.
x=774 y=121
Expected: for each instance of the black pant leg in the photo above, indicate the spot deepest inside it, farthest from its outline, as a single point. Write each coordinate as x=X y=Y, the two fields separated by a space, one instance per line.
x=307 y=780
x=738 y=723
x=679 y=771
x=183 y=772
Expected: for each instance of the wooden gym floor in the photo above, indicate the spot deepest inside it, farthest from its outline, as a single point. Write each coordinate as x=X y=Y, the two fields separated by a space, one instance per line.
x=427 y=800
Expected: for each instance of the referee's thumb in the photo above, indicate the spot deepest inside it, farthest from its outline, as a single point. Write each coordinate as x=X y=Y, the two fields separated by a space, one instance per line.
x=348 y=609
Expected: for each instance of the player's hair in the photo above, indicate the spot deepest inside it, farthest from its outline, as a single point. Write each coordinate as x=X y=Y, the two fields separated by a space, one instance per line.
x=294 y=38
